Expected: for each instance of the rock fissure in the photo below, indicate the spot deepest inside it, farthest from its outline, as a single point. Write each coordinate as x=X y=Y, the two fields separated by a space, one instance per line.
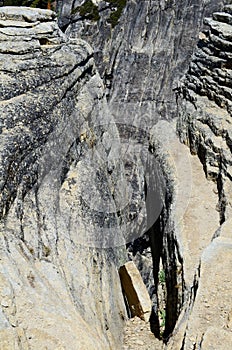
x=84 y=178
x=164 y=277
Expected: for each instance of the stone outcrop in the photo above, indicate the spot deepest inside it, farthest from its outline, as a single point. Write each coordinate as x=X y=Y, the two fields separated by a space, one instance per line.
x=205 y=110
x=204 y=101
x=81 y=176
x=142 y=57
x=58 y=288
x=208 y=325
x=141 y=61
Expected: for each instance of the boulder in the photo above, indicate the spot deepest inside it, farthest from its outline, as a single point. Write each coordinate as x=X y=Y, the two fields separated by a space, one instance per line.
x=135 y=291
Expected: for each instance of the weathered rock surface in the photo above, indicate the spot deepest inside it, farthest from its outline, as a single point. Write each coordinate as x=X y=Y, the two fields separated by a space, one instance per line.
x=212 y=308
x=205 y=110
x=205 y=125
x=142 y=58
x=185 y=232
x=209 y=320
x=141 y=61
x=58 y=288
x=72 y=182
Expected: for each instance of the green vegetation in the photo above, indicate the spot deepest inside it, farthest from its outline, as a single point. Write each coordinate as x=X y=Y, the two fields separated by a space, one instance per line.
x=12 y=3
x=35 y=3
x=161 y=277
x=115 y=15
x=29 y=3
x=88 y=10
x=162 y=317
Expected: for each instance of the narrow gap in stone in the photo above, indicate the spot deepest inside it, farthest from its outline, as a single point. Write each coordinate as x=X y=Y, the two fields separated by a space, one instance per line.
x=44 y=41
x=183 y=342
x=166 y=297
x=129 y=315
x=222 y=200
x=201 y=341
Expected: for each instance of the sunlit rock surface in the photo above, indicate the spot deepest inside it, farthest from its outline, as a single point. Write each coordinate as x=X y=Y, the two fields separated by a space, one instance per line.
x=59 y=288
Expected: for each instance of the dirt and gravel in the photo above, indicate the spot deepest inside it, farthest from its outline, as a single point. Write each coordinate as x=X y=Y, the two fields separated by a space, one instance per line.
x=137 y=336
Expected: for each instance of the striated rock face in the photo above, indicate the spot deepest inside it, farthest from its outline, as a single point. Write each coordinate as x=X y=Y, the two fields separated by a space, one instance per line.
x=205 y=109
x=57 y=285
x=204 y=101
x=141 y=60
x=81 y=176
x=143 y=56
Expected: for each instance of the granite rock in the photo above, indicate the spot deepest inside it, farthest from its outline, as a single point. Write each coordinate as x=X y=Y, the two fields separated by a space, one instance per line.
x=142 y=58
x=204 y=124
x=205 y=109
x=79 y=175
x=56 y=279
x=135 y=291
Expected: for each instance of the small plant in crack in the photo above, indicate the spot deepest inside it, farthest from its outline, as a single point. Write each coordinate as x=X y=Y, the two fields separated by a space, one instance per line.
x=162 y=317
x=46 y=251
x=31 y=250
x=161 y=277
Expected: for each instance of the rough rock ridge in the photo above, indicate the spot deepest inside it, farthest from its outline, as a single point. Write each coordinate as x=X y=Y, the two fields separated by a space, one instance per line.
x=204 y=101
x=142 y=57
x=63 y=184
x=141 y=61
x=206 y=106
x=58 y=288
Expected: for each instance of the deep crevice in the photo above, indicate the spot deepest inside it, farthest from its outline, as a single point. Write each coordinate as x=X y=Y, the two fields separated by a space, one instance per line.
x=222 y=199
x=167 y=295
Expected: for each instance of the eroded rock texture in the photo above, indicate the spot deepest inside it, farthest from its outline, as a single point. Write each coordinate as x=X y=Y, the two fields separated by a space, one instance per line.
x=142 y=57
x=59 y=288
x=205 y=126
x=81 y=176
x=141 y=61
